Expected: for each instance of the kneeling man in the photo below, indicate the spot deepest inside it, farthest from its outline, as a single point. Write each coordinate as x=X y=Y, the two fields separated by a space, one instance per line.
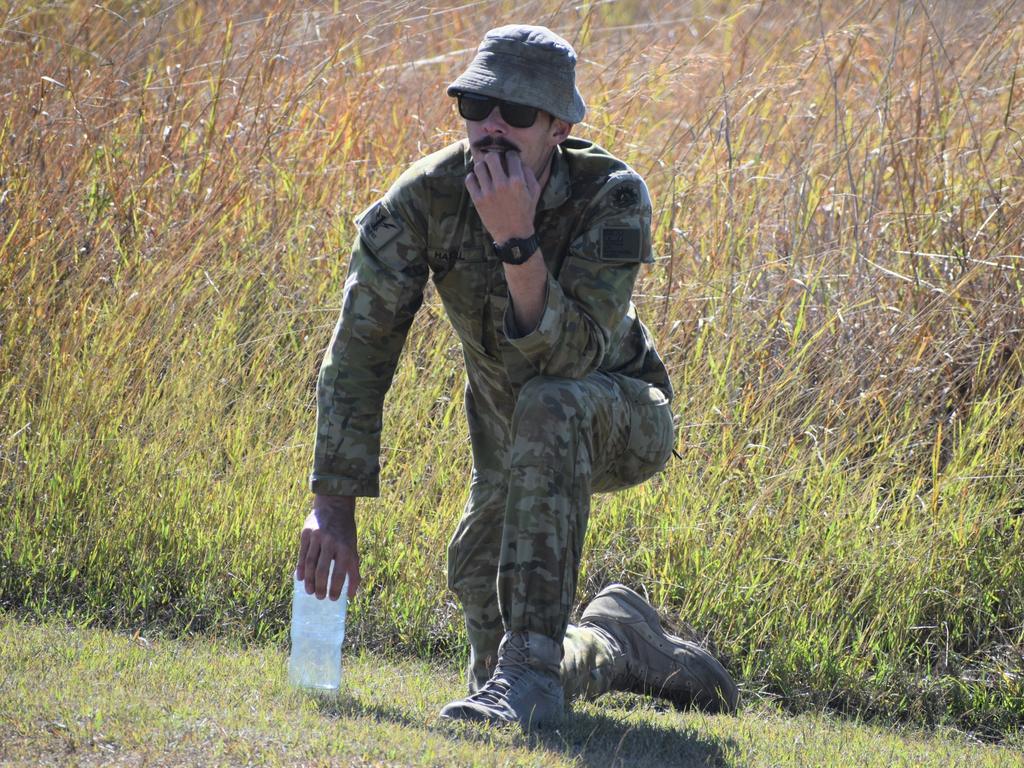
x=533 y=240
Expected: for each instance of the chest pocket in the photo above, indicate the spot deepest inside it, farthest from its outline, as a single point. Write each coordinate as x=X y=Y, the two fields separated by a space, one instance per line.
x=462 y=275
x=463 y=286
x=445 y=244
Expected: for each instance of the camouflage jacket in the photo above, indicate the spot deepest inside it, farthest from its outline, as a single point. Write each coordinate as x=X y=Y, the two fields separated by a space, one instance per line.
x=594 y=226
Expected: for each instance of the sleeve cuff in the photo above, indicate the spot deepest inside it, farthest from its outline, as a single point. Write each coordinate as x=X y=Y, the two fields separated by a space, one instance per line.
x=537 y=345
x=339 y=485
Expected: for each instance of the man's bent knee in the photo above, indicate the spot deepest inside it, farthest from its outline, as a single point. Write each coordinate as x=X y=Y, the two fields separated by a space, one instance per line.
x=651 y=437
x=549 y=401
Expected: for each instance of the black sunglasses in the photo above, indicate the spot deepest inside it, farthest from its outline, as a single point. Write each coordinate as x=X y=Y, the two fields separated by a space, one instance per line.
x=474 y=107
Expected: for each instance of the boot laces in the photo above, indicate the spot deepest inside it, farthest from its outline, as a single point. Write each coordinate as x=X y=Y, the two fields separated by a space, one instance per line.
x=510 y=667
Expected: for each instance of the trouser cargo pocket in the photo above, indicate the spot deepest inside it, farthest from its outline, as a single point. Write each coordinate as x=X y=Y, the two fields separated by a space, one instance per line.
x=651 y=435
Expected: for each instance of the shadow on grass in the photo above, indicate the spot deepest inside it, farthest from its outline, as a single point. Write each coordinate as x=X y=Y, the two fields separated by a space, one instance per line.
x=352 y=706
x=590 y=738
x=597 y=739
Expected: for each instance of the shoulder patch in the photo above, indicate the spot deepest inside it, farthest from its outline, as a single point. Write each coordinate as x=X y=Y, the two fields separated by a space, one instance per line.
x=625 y=195
x=379 y=226
x=620 y=244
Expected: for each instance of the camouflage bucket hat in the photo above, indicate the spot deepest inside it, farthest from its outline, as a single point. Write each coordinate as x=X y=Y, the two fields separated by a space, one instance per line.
x=525 y=65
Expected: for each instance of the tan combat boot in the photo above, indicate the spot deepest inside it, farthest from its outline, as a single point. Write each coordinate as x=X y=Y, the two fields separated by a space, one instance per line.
x=524 y=688
x=648 y=660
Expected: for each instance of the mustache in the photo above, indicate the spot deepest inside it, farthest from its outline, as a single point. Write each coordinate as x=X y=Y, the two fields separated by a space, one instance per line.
x=495 y=142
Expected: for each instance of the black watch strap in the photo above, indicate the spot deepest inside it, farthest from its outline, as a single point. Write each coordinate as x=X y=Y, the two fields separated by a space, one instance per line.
x=517 y=251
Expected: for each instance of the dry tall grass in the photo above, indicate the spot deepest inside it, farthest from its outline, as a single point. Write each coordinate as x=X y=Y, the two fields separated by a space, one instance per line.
x=838 y=199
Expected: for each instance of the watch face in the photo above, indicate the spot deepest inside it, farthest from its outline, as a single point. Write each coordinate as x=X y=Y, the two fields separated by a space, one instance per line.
x=516 y=251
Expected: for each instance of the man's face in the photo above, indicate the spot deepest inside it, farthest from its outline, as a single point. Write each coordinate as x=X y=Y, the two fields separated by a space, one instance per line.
x=534 y=144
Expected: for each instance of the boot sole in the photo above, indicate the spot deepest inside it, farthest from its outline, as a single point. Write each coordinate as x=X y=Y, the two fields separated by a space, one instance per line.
x=473 y=715
x=718 y=692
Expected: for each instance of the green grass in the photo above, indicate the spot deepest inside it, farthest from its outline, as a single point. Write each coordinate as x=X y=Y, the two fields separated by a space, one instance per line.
x=839 y=223
x=73 y=697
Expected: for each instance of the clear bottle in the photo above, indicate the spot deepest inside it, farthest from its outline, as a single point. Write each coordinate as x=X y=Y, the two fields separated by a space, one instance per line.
x=318 y=630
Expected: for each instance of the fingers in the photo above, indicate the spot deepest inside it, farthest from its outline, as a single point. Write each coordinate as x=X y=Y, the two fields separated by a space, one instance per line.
x=323 y=569
x=337 y=580
x=473 y=185
x=497 y=169
x=484 y=174
x=345 y=568
x=493 y=163
x=515 y=166
x=300 y=567
x=502 y=197
x=478 y=182
x=329 y=536
x=316 y=561
x=354 y=579
x=312 y=556
x=518 y=171
x=346 y=564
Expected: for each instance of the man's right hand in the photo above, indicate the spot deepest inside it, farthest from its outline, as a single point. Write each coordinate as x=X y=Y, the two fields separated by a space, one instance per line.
x=329 y=534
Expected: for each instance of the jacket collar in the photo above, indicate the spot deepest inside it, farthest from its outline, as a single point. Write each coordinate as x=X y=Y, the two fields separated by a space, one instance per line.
x=556 y=191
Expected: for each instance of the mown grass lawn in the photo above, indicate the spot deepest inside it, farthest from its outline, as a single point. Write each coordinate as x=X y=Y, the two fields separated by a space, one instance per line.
x=93 y=697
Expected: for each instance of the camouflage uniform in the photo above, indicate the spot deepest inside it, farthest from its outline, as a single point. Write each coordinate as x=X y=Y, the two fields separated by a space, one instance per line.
x=577 y=405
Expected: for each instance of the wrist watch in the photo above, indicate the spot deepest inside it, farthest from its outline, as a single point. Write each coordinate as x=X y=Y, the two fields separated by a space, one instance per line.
x=517 y=251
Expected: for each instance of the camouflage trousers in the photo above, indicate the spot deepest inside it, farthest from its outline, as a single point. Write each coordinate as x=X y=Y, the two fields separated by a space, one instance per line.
x=514 y=558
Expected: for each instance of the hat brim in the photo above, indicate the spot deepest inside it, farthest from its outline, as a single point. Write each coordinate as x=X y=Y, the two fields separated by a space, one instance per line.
x=482 y=81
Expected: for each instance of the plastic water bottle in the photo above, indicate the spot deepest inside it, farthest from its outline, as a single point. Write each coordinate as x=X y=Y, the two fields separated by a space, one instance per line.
x=318 y=629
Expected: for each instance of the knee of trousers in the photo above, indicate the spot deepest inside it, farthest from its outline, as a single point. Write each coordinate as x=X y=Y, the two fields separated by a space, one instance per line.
x=547 y=404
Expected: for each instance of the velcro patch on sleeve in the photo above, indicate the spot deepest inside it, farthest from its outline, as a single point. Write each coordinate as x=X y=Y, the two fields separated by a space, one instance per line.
x=620 y=244
x=379 y=226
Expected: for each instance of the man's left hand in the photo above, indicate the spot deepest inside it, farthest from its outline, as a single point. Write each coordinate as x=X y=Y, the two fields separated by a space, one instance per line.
x=505 y=200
